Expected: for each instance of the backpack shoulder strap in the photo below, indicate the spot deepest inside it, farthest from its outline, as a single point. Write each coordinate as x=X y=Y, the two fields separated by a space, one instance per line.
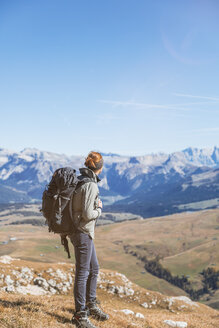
x=81 y=181
x=64 y=242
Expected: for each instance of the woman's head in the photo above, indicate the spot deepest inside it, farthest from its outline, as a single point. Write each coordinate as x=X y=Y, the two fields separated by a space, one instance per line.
x=94 y=161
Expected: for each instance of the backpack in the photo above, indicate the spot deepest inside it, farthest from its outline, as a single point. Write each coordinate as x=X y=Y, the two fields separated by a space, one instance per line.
x=57 y=202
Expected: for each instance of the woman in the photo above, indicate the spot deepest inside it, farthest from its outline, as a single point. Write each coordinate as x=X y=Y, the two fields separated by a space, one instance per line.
x=87 y=209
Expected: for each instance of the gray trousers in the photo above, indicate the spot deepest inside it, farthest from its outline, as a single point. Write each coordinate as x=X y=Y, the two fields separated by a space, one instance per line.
x=87 y=269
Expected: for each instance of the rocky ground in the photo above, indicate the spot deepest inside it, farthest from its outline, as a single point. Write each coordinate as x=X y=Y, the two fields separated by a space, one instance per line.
x=38 y=295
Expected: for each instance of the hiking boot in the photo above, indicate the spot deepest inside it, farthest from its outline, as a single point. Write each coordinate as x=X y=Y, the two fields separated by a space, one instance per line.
x=96 y=312
x=81 y=320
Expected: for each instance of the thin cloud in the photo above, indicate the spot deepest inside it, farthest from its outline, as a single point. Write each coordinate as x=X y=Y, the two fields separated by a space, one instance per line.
x=188 y=39
x=196 y=103
x=179 y=107
x=116 y=103
x=178 y=54
x=216 y=99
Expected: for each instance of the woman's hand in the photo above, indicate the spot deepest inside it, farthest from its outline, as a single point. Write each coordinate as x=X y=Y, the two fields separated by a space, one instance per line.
x=100 y=204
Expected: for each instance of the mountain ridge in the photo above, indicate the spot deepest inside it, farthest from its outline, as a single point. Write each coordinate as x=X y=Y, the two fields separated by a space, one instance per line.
x=124 y=178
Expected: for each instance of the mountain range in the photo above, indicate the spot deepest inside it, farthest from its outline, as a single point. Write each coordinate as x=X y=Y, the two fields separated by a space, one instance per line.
x=150 y=185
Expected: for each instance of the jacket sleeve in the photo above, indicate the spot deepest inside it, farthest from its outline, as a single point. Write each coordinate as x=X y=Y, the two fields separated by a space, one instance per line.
x=88 y=198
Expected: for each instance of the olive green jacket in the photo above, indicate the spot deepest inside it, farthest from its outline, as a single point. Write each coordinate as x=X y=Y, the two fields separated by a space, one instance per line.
x=85 y=203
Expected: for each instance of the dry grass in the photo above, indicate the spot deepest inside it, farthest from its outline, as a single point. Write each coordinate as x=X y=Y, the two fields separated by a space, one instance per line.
x=56 y=311
x=19 y=311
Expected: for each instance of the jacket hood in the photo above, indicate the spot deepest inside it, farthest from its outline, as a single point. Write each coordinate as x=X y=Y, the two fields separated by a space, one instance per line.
x=85 y=171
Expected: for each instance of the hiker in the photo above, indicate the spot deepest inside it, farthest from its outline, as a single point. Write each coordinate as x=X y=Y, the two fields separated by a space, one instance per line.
x=87 y=208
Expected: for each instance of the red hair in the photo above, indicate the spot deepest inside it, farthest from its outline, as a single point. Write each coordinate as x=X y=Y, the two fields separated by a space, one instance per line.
x=94 y=160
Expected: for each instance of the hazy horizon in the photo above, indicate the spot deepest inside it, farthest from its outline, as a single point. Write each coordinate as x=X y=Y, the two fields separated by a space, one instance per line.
x=107 y=153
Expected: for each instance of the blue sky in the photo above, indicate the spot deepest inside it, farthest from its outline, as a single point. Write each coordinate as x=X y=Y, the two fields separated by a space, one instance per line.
x=120 y=76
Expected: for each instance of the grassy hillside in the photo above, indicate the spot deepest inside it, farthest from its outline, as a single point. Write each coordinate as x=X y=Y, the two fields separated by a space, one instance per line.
x=187 y=243
x=53 y=305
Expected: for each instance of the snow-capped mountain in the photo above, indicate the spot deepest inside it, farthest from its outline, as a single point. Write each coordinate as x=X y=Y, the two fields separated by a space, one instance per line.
x=133 y=184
